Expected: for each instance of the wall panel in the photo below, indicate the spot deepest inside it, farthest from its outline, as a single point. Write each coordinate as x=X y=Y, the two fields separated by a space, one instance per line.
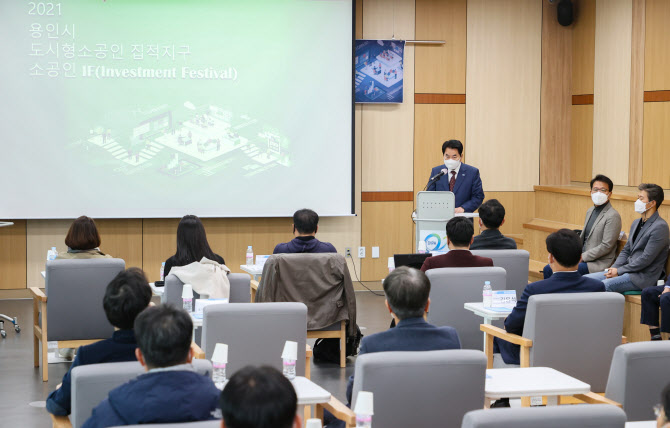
x=503 y=90
x=519 y=209
x=657 y=40
x=441 y=68
x=41 y=235
x=13 y=255
x=122 y=238
x=581 y=146
x=636 y=93
x=583 y=46
x=656 y=146
x=611 y=109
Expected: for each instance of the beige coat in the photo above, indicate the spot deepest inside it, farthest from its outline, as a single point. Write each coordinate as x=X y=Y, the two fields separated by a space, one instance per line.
x=601 y=244
x=206 y=277
x=87 y=254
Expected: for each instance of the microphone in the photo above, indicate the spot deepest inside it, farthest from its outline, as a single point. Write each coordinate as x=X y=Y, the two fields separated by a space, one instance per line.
x=436 y=178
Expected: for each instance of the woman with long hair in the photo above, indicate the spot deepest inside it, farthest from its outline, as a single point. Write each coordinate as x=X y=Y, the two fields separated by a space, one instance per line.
x=192 y=244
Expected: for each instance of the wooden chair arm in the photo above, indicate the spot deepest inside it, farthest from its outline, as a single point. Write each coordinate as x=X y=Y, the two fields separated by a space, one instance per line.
x=38 y=294
x=593 y=398
x=508 y=337
x=60 y=421
x=624 y=340
x=340 y=411
x=253 y=284
x=308 y=351
x=198 y=353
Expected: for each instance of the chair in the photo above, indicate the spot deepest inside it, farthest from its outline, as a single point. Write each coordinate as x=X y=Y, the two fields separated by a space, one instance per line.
x=205 y=424
x=574 y=333
x=427 y=388
x=71 y=305
x=578 y=416
x=450 y=289
x=239 y=289
x=255 y=333
x=515 y=263
x=636 y=377
x=91 y=384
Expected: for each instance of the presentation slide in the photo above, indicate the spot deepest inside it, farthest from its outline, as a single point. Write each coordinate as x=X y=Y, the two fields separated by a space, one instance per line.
x=161 y=108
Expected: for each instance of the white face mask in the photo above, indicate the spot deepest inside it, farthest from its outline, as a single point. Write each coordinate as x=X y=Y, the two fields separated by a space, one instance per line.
x=451 y=164
x=640 y=207
x=598 y=198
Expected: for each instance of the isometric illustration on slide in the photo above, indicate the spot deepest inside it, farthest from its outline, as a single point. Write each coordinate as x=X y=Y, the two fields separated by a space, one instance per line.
x=379 y=71
x=201 y=140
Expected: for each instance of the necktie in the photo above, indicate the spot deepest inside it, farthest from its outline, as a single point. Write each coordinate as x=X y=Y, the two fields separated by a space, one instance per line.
x=452 y=181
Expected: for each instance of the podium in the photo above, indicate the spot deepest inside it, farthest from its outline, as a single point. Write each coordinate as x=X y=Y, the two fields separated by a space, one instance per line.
x=433 y=211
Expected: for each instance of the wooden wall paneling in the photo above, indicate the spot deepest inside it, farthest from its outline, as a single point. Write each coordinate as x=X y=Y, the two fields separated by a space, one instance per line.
x=503 y=89
x=387 y=225
x=556 y=99
x=159 y=238
x=636 y=93
x=519 y=209
x=441 y=68
x=583 y=46
x=433 y=125
x=581 y=145
x=359 y=19
x=657 y=40
x=13 y=258
x=656 y=149
x=611 y=109
x=122 y=238
x=41 y=235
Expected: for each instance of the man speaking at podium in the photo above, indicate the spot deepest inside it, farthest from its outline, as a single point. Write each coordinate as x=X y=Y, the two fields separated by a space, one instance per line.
x=461 y=179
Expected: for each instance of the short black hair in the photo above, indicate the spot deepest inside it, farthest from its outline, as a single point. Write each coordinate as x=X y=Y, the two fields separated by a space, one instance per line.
x=125 y=297
x=460 y=231
x=257 y=397
x=163 y=334
x=407 y=290
x=305 y=220
x=566 y=247
x=665 y=402
x=604 y=179
x=492 y=213
x=453 y=144
x=654 y=192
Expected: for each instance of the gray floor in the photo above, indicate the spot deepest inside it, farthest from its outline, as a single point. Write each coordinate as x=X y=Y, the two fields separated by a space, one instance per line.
x=21 y=383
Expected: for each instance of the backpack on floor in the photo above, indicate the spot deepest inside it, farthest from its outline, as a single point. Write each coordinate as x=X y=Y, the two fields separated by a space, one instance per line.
x=328 y=350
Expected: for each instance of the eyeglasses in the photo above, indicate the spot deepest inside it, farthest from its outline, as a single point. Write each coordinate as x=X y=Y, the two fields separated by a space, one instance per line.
x=599 y=190
x=658 y=410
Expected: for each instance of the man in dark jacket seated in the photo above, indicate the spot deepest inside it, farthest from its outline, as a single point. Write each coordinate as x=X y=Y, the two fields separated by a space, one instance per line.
x=407 y=300
x=125 y=297
x=305 y=226
x=491 y=217
x=171 y=391
x=259 y=397
x=565 y=251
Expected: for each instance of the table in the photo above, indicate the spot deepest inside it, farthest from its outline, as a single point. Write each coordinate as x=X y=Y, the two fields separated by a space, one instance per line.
x=158 y=291
x=641 y=424
x=308 y=392
x=254 y=270
x=531 y=381
x=489 y=315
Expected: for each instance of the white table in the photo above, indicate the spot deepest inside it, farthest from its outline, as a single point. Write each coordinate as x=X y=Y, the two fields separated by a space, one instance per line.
x=531 y=382
x=308 y=392
x=158 y=291
x=254 y=270
x=489 y=315
x=641 y=424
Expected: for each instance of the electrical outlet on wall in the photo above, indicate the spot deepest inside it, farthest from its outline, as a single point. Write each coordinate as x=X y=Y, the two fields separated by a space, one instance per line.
x=347 y=252
x=361 y=252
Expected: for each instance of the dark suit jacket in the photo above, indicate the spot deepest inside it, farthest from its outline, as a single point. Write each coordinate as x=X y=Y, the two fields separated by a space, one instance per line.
x=456 y=258
x=411 y=334
x=467 y=190
x=559 y=282
x=492 y=239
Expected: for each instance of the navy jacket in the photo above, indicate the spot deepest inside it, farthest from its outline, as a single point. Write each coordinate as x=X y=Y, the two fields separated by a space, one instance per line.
x=559 y=282
x=492 y=239
x=121 y=347
x=411 y=334
x=304 y=244
x=467 y=190
x=159 y=397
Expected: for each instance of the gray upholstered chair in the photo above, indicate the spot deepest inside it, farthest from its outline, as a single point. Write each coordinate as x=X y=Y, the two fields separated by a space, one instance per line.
x=427 y=388
x=515 y=263
x=636 y=377
x=71 y=305
x=574 y=333
x=578 y=416
x=91 y=384
x=205 y=424
x=255 y=333
x=450 y=289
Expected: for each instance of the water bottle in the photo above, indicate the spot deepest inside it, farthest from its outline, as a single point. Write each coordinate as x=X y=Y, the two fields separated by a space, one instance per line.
x=187 y=298
x=364 y=409
x=250 y=256
x=219 y=375
x=289 y=368
x=364 y=421
x=163 y=271
x=487 y=293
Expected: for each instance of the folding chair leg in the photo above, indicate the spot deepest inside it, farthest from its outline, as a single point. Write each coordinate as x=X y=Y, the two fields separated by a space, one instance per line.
x=343 y=345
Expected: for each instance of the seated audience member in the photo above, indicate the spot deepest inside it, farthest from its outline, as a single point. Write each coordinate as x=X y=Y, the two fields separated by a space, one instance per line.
x=126 y=296
x=258 y=398
x=305 y=226
x=459 y=238
x=83 y=240
x=642 y=260
x=565 y=249
x=407 y=300
x=192 y=245
x=171 y=391
x=491 y=217
x=601 y=230
x=654 y=298
x=662 y=410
